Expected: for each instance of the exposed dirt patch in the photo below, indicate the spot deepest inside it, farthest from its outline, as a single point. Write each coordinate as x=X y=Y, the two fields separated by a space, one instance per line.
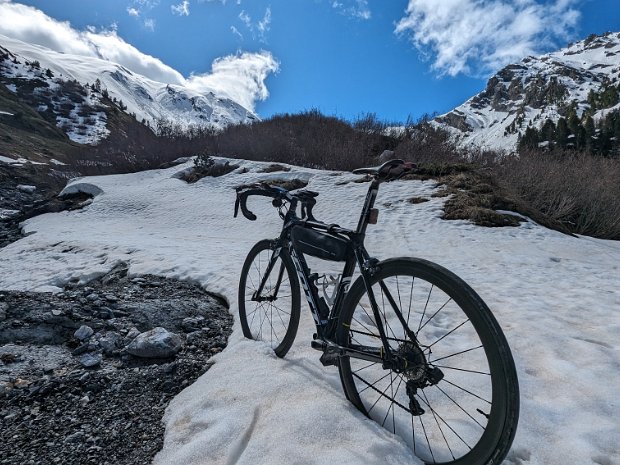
x=274 y=168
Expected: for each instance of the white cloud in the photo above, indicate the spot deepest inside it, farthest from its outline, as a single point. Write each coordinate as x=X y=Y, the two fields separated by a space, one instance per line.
x=133 y=11
x=264 y=24
x=245 y=18
x=236 y=32
x=353 y=8
x=261 y=26
x=149 y=23
x=477 y=37
x=182 y=9
x=239 y=77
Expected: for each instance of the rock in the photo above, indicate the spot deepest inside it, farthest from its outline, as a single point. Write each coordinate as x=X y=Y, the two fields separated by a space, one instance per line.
x=156 y=343
x=81 y=349
x=109 y=342
x=83 y=332
x=110 y=298
x=26 y=188
x=92 y=297
x=89 y=360
x=191 y=324
x=132 y=334
x=386 y=155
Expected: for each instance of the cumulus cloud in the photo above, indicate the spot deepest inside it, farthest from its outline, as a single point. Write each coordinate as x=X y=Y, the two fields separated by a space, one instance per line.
x=355 y=9
x=182 y=9
x=240 y=77
x=477 y=37
x=149 y=23
x=131 y=11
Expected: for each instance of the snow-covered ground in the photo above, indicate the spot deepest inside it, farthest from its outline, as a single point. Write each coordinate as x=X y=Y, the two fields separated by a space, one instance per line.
x=555 y=296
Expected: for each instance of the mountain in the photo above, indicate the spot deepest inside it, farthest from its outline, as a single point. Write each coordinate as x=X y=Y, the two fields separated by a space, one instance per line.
x=578 y=81
x=72 y=91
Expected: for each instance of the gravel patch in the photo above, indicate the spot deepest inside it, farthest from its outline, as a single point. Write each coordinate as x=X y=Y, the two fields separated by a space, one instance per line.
x=71 y=392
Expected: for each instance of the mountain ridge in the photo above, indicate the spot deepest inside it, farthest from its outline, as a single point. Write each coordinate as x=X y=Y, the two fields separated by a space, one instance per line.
x=37 y=68
x=528 y=93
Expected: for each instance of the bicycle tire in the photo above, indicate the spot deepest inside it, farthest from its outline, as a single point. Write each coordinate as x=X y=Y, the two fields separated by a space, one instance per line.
x=420 y=279
x=279 y=324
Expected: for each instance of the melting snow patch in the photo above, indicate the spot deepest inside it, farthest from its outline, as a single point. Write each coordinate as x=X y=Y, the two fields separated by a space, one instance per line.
x=81 y=187
x=4 y=213
x=26 y=188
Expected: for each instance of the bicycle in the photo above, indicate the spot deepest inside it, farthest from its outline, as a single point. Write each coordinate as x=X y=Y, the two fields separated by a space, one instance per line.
x=417 y=349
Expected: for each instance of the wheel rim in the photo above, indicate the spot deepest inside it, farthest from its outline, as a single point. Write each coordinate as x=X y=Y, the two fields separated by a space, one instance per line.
x=268 y=320
x=457 y=408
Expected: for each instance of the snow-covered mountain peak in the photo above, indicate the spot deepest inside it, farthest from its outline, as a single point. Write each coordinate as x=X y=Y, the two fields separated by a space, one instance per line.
x=149 y=100
x=549 y=86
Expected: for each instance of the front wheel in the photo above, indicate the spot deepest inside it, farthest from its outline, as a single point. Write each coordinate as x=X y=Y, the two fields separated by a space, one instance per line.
x=453 y=396
x=273 y=315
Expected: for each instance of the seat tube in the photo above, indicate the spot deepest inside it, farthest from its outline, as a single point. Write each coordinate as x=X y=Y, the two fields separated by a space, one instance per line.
x=369 y=203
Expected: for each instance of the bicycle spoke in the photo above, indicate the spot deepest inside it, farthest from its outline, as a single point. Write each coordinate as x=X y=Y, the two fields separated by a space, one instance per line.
x=434 y=315
x=427 y=441
x=455 y=354
x=371 y=385
x=425 y=306
x=410 y=299
x=462 y=369
x=465 y=390
x=367 y=366
x=378 y=337
x=439 y=426
x=443 y=421
x=459 y=406
x=447 y=334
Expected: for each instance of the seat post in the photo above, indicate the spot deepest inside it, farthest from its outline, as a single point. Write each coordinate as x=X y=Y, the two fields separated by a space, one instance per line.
x=369 y=203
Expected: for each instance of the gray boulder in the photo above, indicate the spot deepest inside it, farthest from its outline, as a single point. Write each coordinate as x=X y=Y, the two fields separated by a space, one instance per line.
x=156 y=343
x=83 y=332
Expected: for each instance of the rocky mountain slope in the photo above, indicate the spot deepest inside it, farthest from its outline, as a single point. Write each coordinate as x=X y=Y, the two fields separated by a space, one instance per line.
x=582 y=79
x=72 y=91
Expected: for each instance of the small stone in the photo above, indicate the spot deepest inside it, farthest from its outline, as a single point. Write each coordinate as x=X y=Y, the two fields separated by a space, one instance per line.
x=110 y=298
x=89 y=360
x=92 y=297
x=156 y=343
x=80 y=349
x=57 y=312
x=83 y=333
x=21 y=383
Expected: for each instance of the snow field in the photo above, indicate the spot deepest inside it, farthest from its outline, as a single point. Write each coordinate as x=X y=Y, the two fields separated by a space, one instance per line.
x=556 y=298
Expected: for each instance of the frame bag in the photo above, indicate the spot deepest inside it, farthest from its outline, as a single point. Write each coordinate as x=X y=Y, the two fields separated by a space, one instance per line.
x=319 y=244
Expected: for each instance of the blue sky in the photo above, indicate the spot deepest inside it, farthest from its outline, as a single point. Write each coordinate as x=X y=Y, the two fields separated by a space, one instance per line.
x=394 y=58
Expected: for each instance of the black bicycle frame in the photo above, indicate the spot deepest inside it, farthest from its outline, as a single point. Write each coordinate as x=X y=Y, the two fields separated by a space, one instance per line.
x=326 y=325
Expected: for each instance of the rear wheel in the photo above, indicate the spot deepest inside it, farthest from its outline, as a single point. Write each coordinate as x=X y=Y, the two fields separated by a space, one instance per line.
x=272 y=316
x=454 y=397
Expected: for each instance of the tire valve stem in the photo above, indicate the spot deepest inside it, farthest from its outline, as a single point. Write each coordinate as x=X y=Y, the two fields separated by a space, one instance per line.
x=482 y=413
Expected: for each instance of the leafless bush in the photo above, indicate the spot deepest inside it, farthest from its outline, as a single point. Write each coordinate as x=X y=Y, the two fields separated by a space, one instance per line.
x=579 y=190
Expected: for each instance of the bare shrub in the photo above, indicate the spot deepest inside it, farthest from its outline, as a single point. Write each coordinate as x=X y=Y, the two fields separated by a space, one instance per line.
x=205 y=166
x=580 y=191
